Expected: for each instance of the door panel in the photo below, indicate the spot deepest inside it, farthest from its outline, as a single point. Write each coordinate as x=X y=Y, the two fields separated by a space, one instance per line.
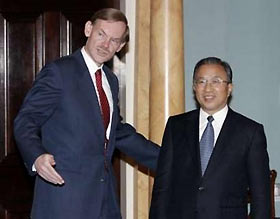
x=30 y=36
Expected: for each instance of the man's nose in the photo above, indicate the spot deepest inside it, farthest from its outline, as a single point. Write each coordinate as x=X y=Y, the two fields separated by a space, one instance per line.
x=208 y=85
x=107 y=42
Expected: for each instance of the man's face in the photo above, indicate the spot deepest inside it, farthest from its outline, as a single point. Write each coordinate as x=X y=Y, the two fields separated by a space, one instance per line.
x=211 y=87
x=104 y=39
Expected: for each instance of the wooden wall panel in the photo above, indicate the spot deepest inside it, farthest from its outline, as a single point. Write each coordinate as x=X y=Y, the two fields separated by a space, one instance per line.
x=51 y=38
x=2 y=88
x=20 y=69
x=17 y=74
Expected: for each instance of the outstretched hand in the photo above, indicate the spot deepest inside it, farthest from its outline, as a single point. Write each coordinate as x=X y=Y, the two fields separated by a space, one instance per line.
x=44 y=167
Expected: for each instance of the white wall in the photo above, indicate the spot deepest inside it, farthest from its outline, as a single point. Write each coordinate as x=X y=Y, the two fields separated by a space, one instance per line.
x=245 y=33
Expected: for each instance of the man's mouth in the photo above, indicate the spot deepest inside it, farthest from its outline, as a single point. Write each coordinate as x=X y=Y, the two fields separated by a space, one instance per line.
x=102 y=52
x=209 y=97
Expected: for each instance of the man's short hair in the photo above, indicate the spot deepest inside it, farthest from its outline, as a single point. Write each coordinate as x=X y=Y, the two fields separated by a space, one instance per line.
x=214 y=61
x=112 y=14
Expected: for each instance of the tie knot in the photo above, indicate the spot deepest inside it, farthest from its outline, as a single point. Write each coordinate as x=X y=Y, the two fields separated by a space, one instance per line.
x=210 y=119
x=98 y=73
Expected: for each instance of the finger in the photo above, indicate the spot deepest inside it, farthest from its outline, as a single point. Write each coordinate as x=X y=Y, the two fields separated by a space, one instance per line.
x=49 y=174
x=44 y=168
x=55 y=176
x=54 y=173
x=51 y=160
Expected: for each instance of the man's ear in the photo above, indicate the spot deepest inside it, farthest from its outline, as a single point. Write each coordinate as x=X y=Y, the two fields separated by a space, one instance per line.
x=230 y=87
x=88 y=28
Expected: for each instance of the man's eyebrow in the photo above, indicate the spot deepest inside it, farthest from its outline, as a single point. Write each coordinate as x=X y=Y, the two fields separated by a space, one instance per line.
x=114 y=38
x=101 y=30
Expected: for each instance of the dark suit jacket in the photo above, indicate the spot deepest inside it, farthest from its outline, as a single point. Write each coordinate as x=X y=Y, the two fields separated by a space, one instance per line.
x=61 y=116
x=239 y=161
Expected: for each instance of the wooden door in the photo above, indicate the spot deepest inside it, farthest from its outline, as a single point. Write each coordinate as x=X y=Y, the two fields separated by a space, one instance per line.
x=32 y=33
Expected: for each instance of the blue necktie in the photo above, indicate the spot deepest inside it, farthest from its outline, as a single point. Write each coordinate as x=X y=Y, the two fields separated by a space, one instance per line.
x=206 y=144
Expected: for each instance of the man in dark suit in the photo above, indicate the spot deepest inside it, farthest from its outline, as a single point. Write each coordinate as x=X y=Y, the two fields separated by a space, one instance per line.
x=69 y=125
x=206 y=166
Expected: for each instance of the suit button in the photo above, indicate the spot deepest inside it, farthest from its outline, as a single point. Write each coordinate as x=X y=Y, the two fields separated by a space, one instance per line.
x=201 y=188
x=102 y=180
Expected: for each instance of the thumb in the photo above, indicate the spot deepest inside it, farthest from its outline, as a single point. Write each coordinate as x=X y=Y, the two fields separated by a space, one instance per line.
x=52 y=161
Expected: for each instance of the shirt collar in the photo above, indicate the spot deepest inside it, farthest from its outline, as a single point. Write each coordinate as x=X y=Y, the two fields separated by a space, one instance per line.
x=92 y=66
x=219 y=117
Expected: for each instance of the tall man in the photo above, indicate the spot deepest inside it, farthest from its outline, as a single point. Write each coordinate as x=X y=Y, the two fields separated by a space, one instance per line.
x=211 y=156
x=69 y=125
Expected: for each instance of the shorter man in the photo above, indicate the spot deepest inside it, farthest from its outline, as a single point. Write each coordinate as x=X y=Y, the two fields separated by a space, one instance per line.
x=210 y=157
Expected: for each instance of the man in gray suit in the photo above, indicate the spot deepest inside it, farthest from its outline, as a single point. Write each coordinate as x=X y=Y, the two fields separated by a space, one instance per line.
x=69 y=126
x=211 y=156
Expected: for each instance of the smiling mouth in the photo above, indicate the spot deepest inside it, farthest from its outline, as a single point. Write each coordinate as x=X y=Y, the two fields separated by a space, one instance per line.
x=209 y=97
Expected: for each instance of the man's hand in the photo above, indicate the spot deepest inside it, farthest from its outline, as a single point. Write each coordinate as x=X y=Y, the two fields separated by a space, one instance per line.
x=44 y=167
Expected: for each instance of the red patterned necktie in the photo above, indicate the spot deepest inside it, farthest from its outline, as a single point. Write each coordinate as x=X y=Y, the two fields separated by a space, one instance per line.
x=105 y=108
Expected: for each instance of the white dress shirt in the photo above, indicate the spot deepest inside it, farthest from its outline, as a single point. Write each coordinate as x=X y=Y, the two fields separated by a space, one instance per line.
x=219 y=118
x=92 y=67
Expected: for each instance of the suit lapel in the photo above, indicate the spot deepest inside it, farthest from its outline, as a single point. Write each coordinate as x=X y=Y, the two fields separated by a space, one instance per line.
x=88 y=94
x=191 y=133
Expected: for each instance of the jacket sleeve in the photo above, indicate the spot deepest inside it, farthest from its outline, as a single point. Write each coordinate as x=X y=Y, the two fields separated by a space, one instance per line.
x=259 y=175
x=39 y=104
x=161 y=189
x=136 y=146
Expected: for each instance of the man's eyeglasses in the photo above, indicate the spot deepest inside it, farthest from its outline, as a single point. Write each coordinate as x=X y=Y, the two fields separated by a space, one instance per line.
x=215 y=82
